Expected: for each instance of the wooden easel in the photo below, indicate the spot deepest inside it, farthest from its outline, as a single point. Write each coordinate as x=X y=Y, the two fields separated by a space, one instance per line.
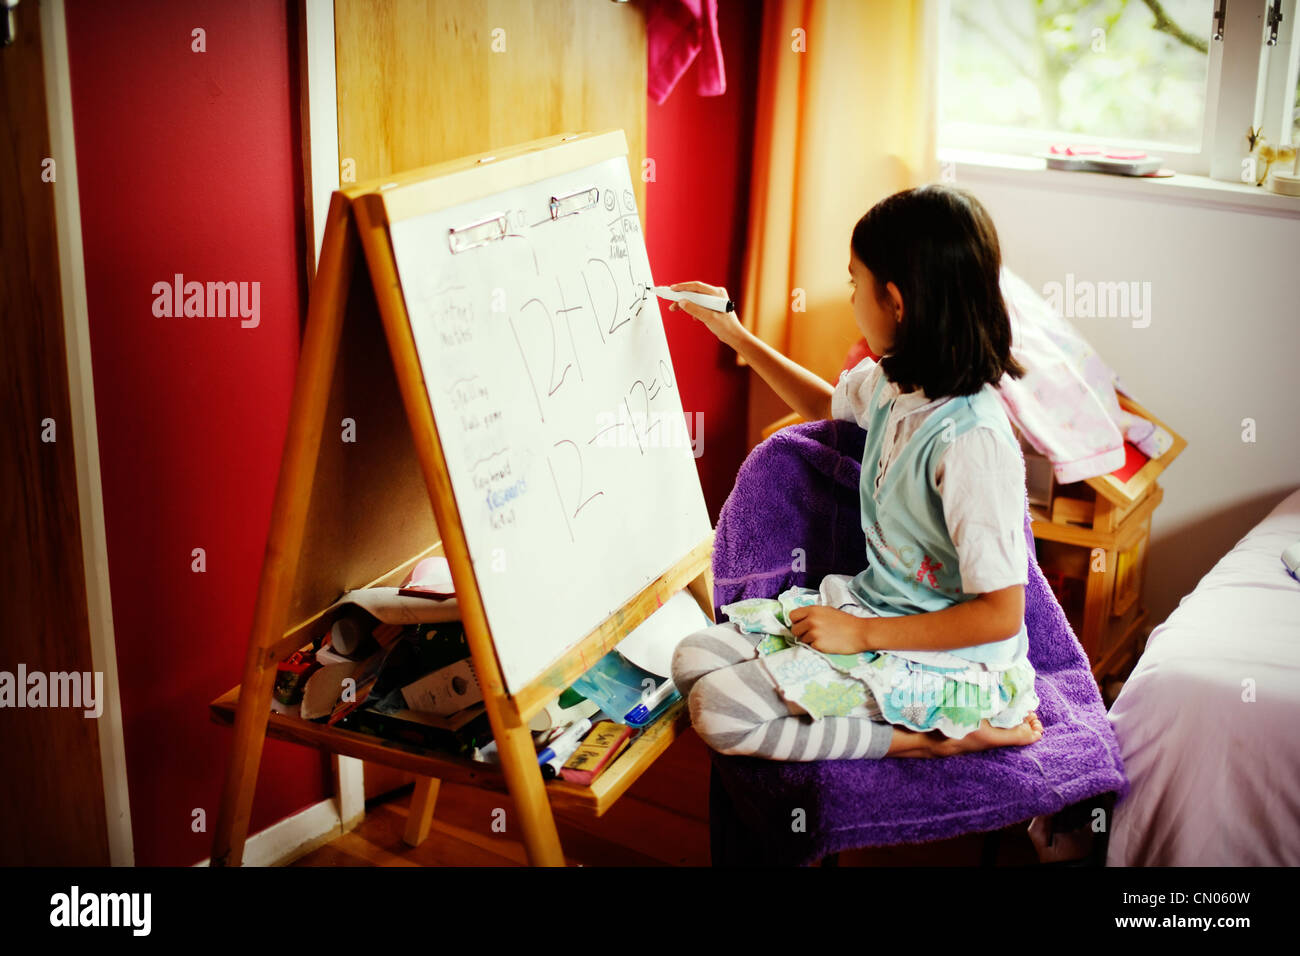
x=293 y=594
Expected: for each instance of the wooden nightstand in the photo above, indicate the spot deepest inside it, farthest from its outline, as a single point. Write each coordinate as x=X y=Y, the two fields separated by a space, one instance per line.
x=1092 y=545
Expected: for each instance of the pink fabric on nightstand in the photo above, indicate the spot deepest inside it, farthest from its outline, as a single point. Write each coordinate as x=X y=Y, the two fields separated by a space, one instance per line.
x=678 y=30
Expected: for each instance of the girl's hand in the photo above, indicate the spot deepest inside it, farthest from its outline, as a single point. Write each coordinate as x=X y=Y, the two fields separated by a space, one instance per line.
x=725 y=325
x=829 y=629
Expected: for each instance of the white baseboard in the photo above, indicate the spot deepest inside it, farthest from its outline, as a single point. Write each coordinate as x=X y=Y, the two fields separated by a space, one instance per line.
x=293 y=837
x=296 y=836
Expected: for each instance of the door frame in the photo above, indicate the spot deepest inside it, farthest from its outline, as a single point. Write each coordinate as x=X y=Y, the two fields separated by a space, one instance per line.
x=321 y=162
x=85 y=428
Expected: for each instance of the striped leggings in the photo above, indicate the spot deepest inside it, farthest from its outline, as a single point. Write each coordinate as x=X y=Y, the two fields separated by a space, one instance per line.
x=736 y=707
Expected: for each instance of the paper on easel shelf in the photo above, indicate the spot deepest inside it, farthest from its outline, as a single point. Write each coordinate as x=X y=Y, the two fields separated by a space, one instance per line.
x=324 y=688
x=553 y=715
x=324 y=692
x=391 y=607
x=444 y=692
x=651 y=644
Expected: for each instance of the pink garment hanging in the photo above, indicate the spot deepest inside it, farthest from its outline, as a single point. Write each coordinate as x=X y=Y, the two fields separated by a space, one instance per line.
x=678 y=30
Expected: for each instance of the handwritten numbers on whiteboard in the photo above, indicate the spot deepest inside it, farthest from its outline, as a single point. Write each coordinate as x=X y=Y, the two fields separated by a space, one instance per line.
x=644 y=414
x=667 y=373
x=534 y=314
x=601 y=280
x=568 y=480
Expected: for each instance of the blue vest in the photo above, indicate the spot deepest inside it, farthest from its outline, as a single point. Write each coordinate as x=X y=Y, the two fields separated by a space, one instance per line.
x=911 y=560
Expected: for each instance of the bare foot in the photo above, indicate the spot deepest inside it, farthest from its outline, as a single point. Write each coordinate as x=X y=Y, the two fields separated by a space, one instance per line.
x=986 y=737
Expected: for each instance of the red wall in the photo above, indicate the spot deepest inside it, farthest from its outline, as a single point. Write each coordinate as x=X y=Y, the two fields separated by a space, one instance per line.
x=696 y=214
x=188 y=162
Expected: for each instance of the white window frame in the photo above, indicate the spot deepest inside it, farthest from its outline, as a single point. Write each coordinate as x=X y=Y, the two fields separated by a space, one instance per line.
x=1233 y=99
x=1278 y=69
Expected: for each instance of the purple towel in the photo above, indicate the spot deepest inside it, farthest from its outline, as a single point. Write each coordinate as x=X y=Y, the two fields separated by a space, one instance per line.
x=799 y=490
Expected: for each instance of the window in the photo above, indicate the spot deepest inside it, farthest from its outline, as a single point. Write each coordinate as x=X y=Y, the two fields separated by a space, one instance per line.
x=1017 y=76
x=1280 y=90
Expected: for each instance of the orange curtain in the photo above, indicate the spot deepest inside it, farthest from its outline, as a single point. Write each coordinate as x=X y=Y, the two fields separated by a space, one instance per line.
x=846 y=116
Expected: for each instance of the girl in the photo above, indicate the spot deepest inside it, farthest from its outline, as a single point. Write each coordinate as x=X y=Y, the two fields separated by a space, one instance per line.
x=924 y=652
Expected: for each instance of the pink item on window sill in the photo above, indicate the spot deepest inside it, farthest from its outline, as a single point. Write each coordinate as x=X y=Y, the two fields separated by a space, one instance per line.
x=1104 y=159
x=677 y=31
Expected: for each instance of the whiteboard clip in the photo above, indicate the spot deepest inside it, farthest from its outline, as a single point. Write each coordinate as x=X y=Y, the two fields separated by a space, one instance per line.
x=574 y=202
x=477 y=233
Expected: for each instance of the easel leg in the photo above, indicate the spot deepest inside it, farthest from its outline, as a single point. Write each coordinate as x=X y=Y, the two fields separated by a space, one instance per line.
x=325 y=313
x=524 y=777
x=421 y=815
x=251 y=716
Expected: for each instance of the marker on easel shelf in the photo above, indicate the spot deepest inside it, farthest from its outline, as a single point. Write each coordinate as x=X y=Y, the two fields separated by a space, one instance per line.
x=715 y=302
x=563 y=746
x=641 y=711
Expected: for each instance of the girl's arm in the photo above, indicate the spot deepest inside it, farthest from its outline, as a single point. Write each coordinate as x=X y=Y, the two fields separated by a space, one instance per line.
x=989 y=617
x=806 y=393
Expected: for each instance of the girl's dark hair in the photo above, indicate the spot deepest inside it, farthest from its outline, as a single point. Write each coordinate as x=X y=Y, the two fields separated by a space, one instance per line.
x=938 y=245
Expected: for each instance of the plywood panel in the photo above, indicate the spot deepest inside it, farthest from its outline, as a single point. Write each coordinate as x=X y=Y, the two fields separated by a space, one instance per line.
x=422 y=81
x=370 y=509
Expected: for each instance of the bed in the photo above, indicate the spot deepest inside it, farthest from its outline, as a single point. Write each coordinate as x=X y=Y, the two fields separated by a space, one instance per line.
x=1209 y=721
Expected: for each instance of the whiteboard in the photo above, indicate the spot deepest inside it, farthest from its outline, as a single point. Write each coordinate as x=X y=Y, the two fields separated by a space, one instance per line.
x=548 y=373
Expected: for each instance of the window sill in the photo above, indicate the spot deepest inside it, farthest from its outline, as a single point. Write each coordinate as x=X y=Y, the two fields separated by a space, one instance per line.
x=999 y=168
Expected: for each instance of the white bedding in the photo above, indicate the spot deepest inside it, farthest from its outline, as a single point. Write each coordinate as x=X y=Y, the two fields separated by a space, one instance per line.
x=1216 y=777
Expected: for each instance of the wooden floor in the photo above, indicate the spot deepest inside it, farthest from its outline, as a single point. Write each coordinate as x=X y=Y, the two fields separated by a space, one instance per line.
x=661 y=821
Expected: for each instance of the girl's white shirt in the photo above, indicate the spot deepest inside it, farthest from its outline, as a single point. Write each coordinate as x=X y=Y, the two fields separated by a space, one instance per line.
x=981 y=479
